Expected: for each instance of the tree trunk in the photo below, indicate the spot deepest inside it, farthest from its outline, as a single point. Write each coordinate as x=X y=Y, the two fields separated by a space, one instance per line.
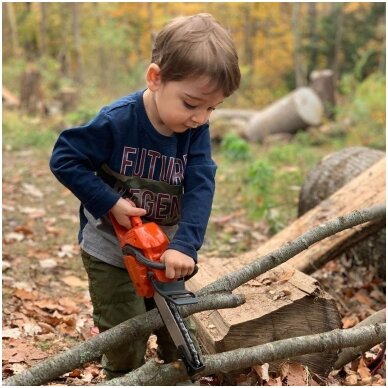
x=322 y=82
x=338 y=12
x=335 y=171
x=43 y=28
x=298 y=60
x=313 y=37
x=77 y=42
x=13 y=26
x=293 y=112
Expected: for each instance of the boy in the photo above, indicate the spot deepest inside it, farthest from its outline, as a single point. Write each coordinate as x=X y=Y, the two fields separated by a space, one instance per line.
x=148 y=154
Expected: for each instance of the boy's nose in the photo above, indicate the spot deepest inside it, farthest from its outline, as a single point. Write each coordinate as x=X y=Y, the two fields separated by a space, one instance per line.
x=201 y=117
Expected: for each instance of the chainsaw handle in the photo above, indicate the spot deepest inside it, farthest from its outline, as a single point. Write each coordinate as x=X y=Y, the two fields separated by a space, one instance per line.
x=130 y=250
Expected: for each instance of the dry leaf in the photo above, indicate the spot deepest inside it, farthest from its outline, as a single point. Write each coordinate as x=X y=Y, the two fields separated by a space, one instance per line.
x=48 y=263
x=351 y=380
x=31 y=190
x=287 y=275
x=262 y=371
x=24 y=294
x=73 y=281
x=32 y=329
x=13 y=237
x=11 y=333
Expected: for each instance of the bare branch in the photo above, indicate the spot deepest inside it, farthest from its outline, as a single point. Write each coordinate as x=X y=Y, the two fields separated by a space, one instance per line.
x=350 y=354
x=118 y=335
x=292 y=248
x=155 y=374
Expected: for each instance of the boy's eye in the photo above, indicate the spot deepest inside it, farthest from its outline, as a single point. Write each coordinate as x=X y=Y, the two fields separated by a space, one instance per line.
x=188 y=106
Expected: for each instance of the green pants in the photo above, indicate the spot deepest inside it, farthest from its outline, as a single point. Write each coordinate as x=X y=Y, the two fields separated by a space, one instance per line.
x=114 y=300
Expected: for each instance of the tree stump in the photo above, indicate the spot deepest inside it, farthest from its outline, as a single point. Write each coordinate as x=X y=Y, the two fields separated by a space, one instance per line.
x=31 y=94
x=296 y=111
x=68 y=98
x=322 y=82
x=329 y=175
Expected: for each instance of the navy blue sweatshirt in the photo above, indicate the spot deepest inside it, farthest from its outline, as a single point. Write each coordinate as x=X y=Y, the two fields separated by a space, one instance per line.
x=120 y=154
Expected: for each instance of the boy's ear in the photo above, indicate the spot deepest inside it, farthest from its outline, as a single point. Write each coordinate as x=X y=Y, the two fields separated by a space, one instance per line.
x=153 y=77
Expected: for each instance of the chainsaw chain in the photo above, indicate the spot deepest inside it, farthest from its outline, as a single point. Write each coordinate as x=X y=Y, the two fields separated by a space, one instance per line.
x=185 y=332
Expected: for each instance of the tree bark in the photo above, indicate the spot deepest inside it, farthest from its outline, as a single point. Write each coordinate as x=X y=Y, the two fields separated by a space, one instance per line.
x=155 y=374
x=145 y=323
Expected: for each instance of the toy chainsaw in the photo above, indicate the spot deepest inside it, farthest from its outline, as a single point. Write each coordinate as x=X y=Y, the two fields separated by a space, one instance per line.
x=142 y=247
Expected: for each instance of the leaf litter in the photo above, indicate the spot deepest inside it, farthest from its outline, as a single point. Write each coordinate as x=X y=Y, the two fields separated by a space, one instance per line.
x=46 y=306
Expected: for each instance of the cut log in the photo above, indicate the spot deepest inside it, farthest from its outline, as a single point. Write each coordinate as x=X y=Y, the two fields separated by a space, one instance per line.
x=280 y=304
x=284 y=302
x=322 y=82
x=9 y=99
x=332 y=173
x=296 y=111
x=224 y=121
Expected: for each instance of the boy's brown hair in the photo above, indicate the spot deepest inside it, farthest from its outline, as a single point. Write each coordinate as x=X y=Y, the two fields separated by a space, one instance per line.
x=195 y=46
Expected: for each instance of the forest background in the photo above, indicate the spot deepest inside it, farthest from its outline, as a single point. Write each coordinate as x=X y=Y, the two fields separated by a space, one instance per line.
x=98 y=52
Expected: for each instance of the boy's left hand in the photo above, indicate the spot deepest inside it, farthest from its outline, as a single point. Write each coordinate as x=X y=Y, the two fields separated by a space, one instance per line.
x=178 y=265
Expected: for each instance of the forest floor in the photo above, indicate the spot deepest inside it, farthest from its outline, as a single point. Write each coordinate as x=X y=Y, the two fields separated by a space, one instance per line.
x=46 y=305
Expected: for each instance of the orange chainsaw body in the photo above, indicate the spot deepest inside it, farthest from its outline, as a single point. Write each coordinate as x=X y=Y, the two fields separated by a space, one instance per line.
x=152 y=242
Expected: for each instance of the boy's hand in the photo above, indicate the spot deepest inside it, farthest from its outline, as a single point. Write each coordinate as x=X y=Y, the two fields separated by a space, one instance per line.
x=178 y=265
x=125 y=208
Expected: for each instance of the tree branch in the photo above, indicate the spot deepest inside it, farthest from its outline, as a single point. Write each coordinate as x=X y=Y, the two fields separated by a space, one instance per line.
x=155 y=374
x=123 y=333
x=350 y=354
x=235 y=279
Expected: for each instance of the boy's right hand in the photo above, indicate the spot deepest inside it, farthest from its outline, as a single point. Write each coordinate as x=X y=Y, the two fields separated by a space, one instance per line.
x=125 y=208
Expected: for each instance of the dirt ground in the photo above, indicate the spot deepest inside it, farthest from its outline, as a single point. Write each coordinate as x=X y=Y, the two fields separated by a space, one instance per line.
x=46 y=305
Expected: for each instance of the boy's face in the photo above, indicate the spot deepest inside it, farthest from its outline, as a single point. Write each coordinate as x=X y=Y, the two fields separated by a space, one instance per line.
x=180 y=105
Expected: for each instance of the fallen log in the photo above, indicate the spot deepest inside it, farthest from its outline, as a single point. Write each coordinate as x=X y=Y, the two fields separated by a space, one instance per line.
x=224 y=121
x=332 y=173
x=296 y=111
x=294 y=293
